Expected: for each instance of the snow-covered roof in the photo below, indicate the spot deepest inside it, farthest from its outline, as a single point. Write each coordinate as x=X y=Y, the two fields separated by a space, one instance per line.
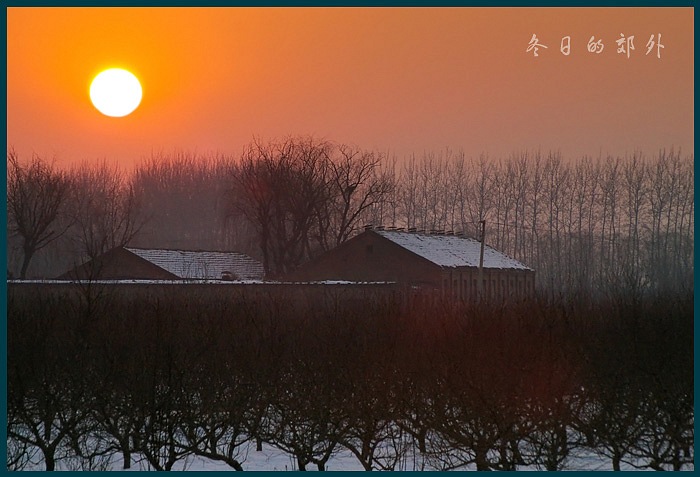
x=451 y=250
x=202 y=265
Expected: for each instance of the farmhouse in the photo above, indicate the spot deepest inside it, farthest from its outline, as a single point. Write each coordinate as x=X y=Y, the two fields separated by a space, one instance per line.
x=123 y=263
x=445 y=262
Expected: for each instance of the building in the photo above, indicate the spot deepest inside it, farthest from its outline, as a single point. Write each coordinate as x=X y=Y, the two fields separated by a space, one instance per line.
x=445 y=262
x=123 y=263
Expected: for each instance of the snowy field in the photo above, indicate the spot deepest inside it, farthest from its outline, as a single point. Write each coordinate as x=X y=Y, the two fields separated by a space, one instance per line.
x=272 y=459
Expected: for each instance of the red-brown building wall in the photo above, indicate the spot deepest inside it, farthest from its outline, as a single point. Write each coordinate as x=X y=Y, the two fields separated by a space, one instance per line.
x=118 y=264
x=369 y=257
x=497 y=283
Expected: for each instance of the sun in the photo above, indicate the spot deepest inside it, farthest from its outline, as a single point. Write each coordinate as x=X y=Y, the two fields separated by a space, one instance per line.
x=116 y=92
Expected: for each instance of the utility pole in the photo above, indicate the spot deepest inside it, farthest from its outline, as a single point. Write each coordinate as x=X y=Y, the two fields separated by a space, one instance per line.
x=480 y=282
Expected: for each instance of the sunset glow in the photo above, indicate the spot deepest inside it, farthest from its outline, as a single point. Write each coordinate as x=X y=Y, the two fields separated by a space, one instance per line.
x=400 y=80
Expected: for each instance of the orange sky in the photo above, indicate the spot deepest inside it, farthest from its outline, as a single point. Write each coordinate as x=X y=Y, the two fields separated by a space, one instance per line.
x=403 y=80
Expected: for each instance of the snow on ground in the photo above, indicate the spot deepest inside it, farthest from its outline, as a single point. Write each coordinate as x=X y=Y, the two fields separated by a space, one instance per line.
x=272 y=459
x=143 y=282
x=198 y=281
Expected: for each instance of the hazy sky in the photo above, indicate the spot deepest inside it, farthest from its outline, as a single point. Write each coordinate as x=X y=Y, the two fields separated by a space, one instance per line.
x=403 y=80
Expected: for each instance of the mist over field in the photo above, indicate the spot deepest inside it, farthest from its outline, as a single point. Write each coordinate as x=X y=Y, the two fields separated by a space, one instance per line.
x=587 y=225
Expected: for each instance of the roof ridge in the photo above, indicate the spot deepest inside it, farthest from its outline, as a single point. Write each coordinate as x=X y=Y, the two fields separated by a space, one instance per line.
x=185 y=250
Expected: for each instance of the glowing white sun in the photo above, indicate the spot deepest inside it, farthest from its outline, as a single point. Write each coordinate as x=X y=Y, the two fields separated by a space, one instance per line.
x=115 y=92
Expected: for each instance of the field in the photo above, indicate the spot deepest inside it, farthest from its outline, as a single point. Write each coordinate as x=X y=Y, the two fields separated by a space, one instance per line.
x=347 y=377
x=273 y=459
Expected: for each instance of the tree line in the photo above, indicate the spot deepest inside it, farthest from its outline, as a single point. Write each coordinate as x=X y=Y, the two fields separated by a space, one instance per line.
x=586 y=226
x=153 y=376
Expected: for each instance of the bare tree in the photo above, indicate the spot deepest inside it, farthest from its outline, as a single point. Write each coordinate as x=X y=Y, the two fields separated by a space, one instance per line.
x=280 y=186
x=305 y=422
x=47 y=391
x=385 y=210
x=373 y=435
x=408 y=193
x=104 y=208
x=355 y=184
x=185 y=200
x=581 y=223
x=481 y=191
x=36 y=195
